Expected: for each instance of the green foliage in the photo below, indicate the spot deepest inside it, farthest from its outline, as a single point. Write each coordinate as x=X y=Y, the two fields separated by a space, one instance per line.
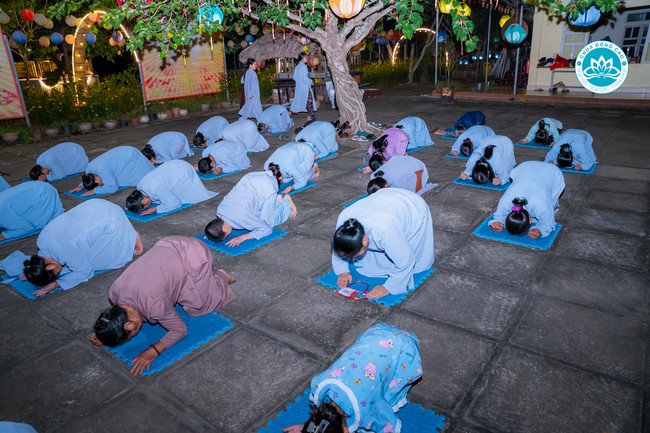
x=39 y=107
x=574 y=7
x=384 y=73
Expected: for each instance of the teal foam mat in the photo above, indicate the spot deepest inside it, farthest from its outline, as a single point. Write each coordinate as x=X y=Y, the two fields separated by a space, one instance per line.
x=285 y=185
x=460 y=156
x=489 y=185
x=212 y=176
x=544 y=243
x=26 y=288
x=326 y=157
x=153 y=216
x=78 y=195
x=573 y=170
x=533 y=145
x=244 y=247
x=351 y=202
x=26 y=235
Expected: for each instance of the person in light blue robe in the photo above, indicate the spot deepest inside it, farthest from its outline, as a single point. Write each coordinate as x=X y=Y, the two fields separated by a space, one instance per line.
x=387 y=234
x=118 y=167
x=254 y=204
x=417 y=130
x=274 y=119
x=296 y=162
x=166 y=146
x=253 y=105
x=542 y=186
x=468 y=120
x=26 y=208
x=168 y=187
x=224 y=156
x=501 y=162
x=209 y=131
x=59 y=162
x=322 y=137
x=244 y=131
x=551 y=126
x=402 y=171
x=92 y=236
x=368 y=384
x=579 y=154
x=303 y=99
x=475 y=134
x=4 y=184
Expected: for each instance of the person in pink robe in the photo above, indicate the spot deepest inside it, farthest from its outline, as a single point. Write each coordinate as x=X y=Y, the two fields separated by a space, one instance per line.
x=177 y=270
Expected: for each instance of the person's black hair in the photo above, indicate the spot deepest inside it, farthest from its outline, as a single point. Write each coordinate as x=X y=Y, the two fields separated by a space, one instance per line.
x=324 y=419
x=461 y=127
x=380 y=144
x=518 y=220
x=399 y=126
x=261 y=126
x=302 y=55
x=214 y=230
x=275 y=169
x=302 y=140
x=376 y=161
x=565 y=157
x=467 y=147
x=249 y=62
x=482 y=171
x=35 y=172
x=205 y=165
x=542 y=136
x=109 y=326
x=36 y=271
x=377 y=183
x=199 y=139
x=88 y=181
x=134 y=202
x=148 y=152
x=298 y=129
x=348 y=238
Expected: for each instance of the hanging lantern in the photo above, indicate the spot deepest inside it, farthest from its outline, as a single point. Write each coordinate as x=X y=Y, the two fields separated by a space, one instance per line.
x=49 y=24
x=4 y=18
x=27 y=14
x=254 y=29
x=239 y=30
x=503 y=20
x=121 y=42
x=464 y=10
x=117 y=36
x=112 y=42
x=588 y=17
x=90 y=38
x=243 y=44
x=71 y=21
x=69 y=39
x=303 y=40
x=120 y=2
x=40 y=19
x=19 y=37
x=13 y=44
x=313 y=61
x=249 y=39
x=231 y=44
x=266 y=29
x=515 y=34
x=346 y=8
x=56 y=38
x=445 y=6
x=44 y=41
x=78 y=22
x=93 y=17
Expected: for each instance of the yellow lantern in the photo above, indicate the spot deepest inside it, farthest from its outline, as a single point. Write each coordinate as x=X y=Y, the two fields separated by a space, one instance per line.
x=69 y=39
x=503 y=20
x=464 y=10
x=445 y=6
x=346 y=8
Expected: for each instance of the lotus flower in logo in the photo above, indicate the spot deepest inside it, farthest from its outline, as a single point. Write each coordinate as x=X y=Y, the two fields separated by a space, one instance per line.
x=601 y=68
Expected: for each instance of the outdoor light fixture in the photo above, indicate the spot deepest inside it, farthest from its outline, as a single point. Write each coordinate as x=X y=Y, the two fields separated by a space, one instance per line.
x=346 y=8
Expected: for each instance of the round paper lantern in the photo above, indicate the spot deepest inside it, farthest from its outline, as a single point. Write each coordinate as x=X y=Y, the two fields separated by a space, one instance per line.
x=249 y=38
x=231 y=44
x=44 y=41
x=56 y=38
x=515 y=34
x=588 y=17
x=19 y=37
x=49 y=24
x=303 y=40
x=346 y=8
x=78 y=22
x=40 y=19
x=69 y=39
x=117 y=36
x=120 y=2
x=12 y=44
x=90 y=38
x=71 y=20
x=464 y=10
x=243 y=43
x=112 y=42
x=4 y=18
x=313 y=61
x=266 y=29
x=254 y=29
x=121 y=42
x=27 y=14
x=503 y=20
x=445 y=6
x=93 y=17
x=239 y=30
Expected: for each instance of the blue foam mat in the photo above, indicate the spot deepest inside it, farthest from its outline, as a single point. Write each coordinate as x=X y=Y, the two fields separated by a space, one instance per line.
x=200 y=330
x=212 y=176
x=285 y=185
x=573 y=170
x=448 y=137
x=153 y=216
x=489 y=185
x=200 y=149
x=32 y=233
x=70 y=176
x=460 y=156
x=329 y=280
x=271 y=134
x=484 y=231
x=328 y=156
x=533 y=145
x=78 y=195
x=355 y=200
x=244 y=247
x=415 y=149
x=414 y=417
x=26 y=288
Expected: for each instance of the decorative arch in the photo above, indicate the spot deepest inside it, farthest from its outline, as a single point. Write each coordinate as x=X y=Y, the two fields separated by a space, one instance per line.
x=396 y=50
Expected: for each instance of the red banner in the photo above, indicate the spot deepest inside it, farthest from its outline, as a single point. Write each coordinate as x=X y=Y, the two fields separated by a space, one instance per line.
x=11 y=101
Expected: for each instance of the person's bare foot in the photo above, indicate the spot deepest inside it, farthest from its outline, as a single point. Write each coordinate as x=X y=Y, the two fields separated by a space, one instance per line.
x=139 y=248
x=229 y=278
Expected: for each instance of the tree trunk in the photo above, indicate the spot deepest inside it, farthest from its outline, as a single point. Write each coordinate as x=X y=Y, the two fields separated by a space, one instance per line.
x=412 y=68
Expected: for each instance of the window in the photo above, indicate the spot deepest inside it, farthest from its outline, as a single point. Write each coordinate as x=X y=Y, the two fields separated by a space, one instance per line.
x=635 y=34
x=573 y=42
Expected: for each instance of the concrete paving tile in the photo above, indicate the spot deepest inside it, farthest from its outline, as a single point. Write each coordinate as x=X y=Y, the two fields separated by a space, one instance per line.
x=58 y=388
x=471 y=303
x=625 y=186
x=496 y=260
x=525 y=393
x=592 y=284
x=299 y=254
x=321 y=224
x=601 y=341
x=623 y=169
x=445 y=242
x=610 y=249
x=451 y=360
x=453 y=218
x=329 y=195
x=246 y=370
x=291 y=319
x=467 y=197
x=618 y=200
x=609 y=220
x=9 y=300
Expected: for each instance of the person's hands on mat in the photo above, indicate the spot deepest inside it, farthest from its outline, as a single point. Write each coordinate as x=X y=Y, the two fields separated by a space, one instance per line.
x=343 y=279
x=95 y=341
x=496 y=226
x=149 y=211
x=238 y=240
x=77 y=189
x=496 y=180
x=144 y=359
x=534 y=233
x=462 y=175
x=293 y=429
x=47 y=289
x=454 y=153
x=377 y=292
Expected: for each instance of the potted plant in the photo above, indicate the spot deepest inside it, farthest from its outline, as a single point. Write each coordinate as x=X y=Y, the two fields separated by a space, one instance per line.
x=12 y=131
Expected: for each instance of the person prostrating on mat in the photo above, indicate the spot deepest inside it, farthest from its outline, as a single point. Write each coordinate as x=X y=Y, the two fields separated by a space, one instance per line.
x=530 y=203
x=545 y=132
x=59 y=161
x=27 y=207
x=387 y=234
x=296 y=162
x=274 y=119
x=177 y=270
x=364 y=389
x=492 y=161
x=209 y=131
x=321 y=135
x=469 y=139
x=573 y=149
x=254 y=204
x=167 y=146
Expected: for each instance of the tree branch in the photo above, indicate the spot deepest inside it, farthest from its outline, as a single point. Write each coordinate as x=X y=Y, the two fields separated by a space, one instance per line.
x=362 y=31
x=371 y=8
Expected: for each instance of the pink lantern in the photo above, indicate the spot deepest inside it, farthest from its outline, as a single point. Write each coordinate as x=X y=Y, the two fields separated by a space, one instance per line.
x=346 y=8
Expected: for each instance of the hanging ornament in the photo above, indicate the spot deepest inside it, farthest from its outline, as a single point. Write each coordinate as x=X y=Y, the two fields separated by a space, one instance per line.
x=588 y=17
x=249 y=39
x=122 y=42
x=117 y=36
x=120 y=2
x=44 y=41
x=254 y=29
x=4 y=18
x=27 y=14
x=305 y=48
x=56 y=38
x=112 y=42
x=93 y=17
x=49 y=24
x=90 y=38
x=346 y=8
x=303 y=40
x=239 y=30
x=13 y=44
x=266 y=29
x=19 y=37
x=445 y=6
x=243 y=43
x=71 y=21
x=515 y=34
x=231 y=44
x=69 y=39
x=313 y=61
x=40 y=19
x=503 y=20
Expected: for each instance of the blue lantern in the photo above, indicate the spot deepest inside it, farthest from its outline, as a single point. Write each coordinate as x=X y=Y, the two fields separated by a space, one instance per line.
x=19 y=37
x=473 y=57
x=249 y=38
x=588 y=17
x=90 y=38
x=467 y=62
x=460 y=62
x=480 y=57
x=515 y=34
x=211 y=13
x=56 y=38
x=496 y=56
